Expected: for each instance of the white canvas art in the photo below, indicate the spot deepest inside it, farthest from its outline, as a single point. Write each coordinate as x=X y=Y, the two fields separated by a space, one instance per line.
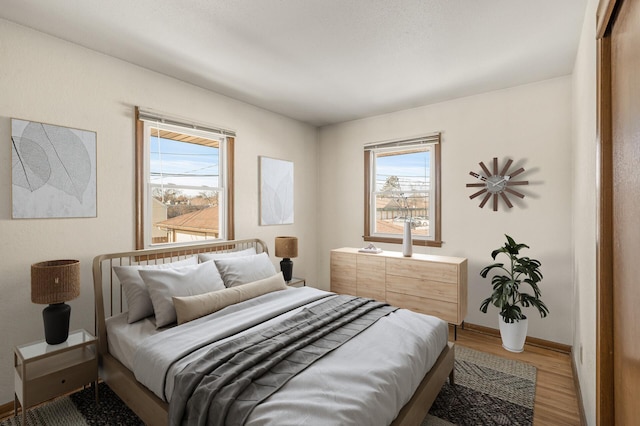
x=276 y=191
x=53 y=171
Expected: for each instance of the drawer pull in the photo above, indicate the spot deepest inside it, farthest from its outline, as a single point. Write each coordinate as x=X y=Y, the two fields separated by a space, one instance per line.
x=63 y=381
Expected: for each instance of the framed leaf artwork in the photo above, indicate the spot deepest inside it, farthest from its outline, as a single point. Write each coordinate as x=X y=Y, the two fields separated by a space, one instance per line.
x=276 y=191
x=53 y=171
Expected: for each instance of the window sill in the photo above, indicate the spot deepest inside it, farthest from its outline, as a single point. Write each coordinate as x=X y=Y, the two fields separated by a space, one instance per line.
x=392 y=240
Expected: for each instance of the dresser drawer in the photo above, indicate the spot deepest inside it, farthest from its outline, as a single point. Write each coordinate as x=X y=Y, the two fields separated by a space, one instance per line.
x=343 y=273
x=444 y=310
x=441 y=272
x=370 y=277
x=45 y=387
x=446 y=292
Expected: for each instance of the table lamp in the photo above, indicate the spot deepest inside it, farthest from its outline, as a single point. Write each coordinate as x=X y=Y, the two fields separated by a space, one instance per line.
x=54 y=282
x=286 y=247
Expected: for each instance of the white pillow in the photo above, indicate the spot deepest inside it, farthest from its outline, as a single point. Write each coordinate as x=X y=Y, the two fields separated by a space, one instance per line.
x=245 y=269
x=204 y=257
x=135 y=290
x=191 y=307
x=163 y=284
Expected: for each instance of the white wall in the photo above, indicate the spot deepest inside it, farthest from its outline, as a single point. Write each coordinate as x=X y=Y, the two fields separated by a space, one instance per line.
x=584 y=212
x=530 y=124
x=48 y=80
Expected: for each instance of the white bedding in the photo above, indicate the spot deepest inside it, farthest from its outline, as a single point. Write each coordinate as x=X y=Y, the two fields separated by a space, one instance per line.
x=124 y=338
x=365 y=381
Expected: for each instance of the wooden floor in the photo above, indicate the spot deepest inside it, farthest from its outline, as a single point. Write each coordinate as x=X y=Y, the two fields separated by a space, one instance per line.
x=556 y=401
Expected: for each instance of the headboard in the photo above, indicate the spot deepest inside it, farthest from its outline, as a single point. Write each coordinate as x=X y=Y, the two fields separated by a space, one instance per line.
x=107 y=289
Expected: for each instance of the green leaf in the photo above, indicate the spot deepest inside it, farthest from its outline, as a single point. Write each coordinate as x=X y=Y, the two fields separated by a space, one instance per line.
x=485 y=304
x=486 y=269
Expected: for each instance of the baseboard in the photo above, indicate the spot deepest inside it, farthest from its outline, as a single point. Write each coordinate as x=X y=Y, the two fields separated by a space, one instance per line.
x=576 y=383
x=6 y=410
x=533 y=341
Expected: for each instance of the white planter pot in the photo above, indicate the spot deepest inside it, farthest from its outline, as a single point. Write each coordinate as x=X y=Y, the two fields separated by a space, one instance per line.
x=513 y=334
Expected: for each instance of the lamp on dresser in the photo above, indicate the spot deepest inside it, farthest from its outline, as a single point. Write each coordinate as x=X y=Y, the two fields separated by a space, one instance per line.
x=286 y=247
x=54 y=282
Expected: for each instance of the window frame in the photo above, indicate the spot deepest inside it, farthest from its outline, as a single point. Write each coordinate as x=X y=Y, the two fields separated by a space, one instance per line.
x=435 y=196
x=142 y=161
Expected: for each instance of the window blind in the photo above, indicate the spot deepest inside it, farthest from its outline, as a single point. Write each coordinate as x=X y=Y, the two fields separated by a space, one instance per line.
x=430 y=139
x=158 y=117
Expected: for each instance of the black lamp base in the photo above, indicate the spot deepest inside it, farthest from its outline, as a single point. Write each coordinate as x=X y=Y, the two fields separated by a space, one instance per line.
x=56 y=323
x=286 y=266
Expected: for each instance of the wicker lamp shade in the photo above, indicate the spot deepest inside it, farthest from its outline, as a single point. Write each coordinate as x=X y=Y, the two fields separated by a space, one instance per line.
x=55 y=281
x=286 y=247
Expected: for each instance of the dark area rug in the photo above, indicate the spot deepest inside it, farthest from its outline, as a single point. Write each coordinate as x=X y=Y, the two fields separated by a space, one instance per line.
x=488 y=390
x=109 y=411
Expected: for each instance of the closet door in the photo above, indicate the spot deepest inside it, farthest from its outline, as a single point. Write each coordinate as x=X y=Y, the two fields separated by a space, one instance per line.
x=619 y=276
x=625 y=113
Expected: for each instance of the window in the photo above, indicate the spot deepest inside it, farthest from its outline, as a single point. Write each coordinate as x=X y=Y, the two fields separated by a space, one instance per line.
x=402 y=183
x=184 y=178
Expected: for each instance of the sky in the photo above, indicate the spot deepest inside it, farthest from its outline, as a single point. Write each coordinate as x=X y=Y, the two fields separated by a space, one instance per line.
x=412 y=170
x=183 y=163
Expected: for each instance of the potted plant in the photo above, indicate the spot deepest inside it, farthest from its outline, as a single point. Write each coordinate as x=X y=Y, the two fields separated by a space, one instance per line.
x=509 y=295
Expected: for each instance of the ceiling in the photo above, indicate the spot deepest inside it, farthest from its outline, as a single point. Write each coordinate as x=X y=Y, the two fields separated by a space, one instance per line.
x=325 y=61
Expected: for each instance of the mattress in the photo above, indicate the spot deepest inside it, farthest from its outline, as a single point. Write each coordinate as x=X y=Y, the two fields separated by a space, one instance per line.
x=123 y=338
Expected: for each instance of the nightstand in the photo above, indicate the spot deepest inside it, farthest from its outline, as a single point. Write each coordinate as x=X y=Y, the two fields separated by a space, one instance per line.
x=44 y=371
x=297 y=282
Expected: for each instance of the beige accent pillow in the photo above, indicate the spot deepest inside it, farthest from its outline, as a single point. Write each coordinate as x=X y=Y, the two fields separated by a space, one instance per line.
x=189 y=308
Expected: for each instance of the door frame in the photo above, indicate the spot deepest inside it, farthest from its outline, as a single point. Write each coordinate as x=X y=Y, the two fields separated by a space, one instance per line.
x=605 y=408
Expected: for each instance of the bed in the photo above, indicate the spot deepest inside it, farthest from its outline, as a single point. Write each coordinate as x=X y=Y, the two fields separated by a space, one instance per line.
x=403 y=358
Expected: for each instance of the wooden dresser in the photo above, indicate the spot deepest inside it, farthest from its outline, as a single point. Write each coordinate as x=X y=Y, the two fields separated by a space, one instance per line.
x=434 y=285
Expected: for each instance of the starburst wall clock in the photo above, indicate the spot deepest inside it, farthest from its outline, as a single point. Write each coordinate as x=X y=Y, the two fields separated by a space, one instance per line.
x=496 y=184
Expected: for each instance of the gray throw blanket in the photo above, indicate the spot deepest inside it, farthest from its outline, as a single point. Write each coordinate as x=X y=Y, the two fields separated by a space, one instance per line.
x=224 y=386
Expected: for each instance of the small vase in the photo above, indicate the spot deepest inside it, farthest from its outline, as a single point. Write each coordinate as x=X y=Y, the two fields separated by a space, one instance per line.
x=407 y=249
